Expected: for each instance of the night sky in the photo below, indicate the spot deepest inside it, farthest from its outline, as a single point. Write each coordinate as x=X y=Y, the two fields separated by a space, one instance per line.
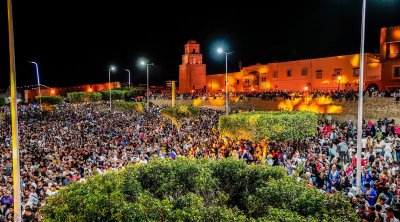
x=74 y=42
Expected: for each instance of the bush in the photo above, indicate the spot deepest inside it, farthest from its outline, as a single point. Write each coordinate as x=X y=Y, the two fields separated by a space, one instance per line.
x=78 y=97
x=195 y=190
x=178 y=114
x=133 y=106
x=115 y=94
x=132 y=93
x=258 y=126
x=49 y=100
x=2 y=101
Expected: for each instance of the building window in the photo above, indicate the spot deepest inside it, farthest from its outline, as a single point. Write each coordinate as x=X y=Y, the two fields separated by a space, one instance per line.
x=356 y=72
x=396 y=71
x=289 y=73
x=263 y=79
x=247 y=81
x=318 y=74
x=336 y=73
x=275 y=74
x=304 y=71
x=237 y=82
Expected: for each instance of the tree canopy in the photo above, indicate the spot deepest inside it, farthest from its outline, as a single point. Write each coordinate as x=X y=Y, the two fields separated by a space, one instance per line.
x=279 y=126
x=195 y=190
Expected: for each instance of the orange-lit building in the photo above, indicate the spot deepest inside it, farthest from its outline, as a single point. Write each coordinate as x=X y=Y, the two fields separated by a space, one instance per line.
x=192 y=71
x=382 y=71
x=29 y=94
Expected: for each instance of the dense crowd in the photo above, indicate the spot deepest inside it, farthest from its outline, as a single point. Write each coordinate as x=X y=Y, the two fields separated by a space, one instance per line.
x=341 y=95
x=77 y=141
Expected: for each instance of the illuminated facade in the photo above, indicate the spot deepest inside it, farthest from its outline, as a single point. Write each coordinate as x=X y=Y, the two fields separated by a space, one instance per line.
x=192 y=71
x=382 y=71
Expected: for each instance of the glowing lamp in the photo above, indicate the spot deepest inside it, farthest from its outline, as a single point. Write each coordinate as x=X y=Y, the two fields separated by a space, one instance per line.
x=52 y=92
x=90 y=89
x=339 y=77
x=306 y=88
x=220 y=50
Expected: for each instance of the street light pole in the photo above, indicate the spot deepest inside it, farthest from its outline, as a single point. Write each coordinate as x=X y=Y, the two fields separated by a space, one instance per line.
x=360 y=100
x=129 y=77
x=38 y=82
x=147 y=90
x=220 y=50
x=111 y=68
x=226 y=85
x=339 y=78
x=14 y=119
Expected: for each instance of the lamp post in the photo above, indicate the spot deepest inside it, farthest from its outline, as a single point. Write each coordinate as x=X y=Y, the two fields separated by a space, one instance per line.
x=143 y=63
x=360 y=100
x=38 y=82
x=220 y=51
x=129 y=77
x=339 y=78
x=111 y=68
x=14 y=119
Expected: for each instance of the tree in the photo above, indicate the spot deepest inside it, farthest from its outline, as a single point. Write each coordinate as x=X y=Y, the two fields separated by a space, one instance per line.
x=195 y=190
x=78 y=97
x=267 y=126
x=178 y=114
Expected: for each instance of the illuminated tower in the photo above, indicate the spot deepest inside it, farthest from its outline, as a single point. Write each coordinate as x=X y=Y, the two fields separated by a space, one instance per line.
x=192 y=71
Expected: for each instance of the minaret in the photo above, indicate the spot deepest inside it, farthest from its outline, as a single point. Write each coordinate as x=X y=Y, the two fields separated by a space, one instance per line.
x=192 y=71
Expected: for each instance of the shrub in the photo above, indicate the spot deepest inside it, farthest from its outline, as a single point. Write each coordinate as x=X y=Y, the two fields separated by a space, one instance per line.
x=258 y=126
x=195 y=190
x=78 y=97
x=115 y=94
x=49 y=100
x=132 y=93
x=178 y=114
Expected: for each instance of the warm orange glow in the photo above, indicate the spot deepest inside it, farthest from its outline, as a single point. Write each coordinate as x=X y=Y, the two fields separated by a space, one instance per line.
x=52 y=91
x=90 y=89
x=334 y=109
x=306 y=88
x=252 y=89
x=339 y=77
x=197 y=102
x=355 y=61
x=396 y=35
x=318 y=105
x=192 y=90
x=219 y=101
x=374 y=64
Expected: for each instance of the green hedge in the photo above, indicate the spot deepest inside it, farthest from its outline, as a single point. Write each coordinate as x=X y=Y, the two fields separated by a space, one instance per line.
x=258 y=126
x=78 y=97
x=136 y=106
x=195 y=190
x=49 y=100
x=2 y=101
x=122 y=94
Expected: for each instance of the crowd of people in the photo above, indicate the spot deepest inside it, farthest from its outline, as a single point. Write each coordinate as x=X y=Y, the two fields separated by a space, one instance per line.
x=77 y=141
x=341 y=95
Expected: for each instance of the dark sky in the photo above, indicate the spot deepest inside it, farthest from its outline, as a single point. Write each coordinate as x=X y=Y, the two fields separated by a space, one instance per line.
x=75 y=41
